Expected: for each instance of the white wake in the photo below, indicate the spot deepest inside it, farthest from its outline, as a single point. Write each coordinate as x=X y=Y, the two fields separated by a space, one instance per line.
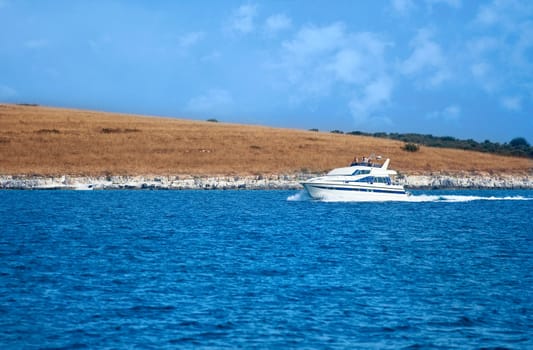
x=462 y=198
x=299 y=196
x=303 y=196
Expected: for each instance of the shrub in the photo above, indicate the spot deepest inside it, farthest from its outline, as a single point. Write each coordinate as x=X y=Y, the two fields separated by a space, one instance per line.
x=212 y=120
x=110 y=130
x=316 y=130
x=519 y=142
x=411 y=147
x=337 y=132
x=117 y=130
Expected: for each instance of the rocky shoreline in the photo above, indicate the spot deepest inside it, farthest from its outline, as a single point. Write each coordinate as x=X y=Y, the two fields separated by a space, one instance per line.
x=259 y=182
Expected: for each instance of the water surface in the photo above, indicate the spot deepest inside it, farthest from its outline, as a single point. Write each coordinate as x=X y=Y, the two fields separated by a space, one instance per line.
x=264 y=269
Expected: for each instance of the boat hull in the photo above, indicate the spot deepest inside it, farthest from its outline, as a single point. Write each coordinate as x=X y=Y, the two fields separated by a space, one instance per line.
x=345 y=192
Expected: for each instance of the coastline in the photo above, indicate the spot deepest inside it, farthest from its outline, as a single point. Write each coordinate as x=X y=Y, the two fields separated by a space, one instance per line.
x=256 y=182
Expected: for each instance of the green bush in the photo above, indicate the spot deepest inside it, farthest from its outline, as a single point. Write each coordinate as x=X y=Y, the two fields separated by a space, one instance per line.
x=519 y=142
x=411 y=147
x=518 y=147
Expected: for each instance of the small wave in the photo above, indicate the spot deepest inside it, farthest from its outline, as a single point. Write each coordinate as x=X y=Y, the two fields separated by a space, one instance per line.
x=462 y=198
x=298 y=197
x=304 y=196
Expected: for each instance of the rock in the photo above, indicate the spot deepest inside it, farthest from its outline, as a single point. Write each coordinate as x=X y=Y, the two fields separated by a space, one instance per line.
x=288 y=182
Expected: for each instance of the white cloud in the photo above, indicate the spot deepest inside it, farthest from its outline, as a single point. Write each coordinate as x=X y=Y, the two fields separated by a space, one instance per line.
x=426 y=61
x=450 y=113
x=480 y=69
x=372 y=99
x=491 y=14
x=438 y=78
x=7 y=92
x=305 y=60
x=277 y=23
x=426 y=54
x=483 y=45
x=502 y=60
x=511 y=103
x=452 y=3
x=508 y=14
x=481 y=53
x=348 y=65
x=36 y=43
x=487 y=16
x=214 y=100
x=360 y=60
x=402 y=7
x=333 y=54
x=189 y=39
x=242 y=20
x=211 y=57
x=485 y=75
x=406 y=7
x=321 y=58
x=312 y=40
x=522 y=48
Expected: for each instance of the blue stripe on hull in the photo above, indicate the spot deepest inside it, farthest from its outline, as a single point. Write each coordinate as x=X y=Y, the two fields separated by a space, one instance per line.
x=356 y=189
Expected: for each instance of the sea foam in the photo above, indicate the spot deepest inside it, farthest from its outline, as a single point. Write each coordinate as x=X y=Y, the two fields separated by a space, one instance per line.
x=303 y=196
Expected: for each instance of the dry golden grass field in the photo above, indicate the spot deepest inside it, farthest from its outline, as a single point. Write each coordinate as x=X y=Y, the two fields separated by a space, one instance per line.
x=52 y=141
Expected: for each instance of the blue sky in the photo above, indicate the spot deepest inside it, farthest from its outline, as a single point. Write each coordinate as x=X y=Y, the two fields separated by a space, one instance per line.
x=442 y=67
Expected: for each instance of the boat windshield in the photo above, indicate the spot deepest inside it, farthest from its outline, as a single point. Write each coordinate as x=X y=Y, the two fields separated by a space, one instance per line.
x=361 y=172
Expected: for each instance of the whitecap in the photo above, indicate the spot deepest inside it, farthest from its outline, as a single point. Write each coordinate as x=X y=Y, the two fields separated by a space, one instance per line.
x=298 y=197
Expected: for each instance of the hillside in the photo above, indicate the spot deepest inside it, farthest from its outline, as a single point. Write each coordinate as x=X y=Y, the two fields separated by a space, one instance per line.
x=38 y=140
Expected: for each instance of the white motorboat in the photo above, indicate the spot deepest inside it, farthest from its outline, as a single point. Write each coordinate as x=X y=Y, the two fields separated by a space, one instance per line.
x=362 y=181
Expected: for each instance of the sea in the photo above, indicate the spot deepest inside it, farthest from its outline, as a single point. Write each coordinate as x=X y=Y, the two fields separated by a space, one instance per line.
x=265 y=270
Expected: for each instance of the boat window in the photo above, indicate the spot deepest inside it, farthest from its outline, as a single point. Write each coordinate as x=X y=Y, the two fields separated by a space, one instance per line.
x=383 y=180
x=369 y=179
x=361 y=172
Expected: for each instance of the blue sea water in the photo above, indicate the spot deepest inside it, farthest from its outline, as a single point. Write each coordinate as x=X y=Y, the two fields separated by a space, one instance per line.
x=264 y=269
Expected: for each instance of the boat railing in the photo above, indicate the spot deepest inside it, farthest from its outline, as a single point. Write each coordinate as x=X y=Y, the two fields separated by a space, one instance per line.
x=368 y=164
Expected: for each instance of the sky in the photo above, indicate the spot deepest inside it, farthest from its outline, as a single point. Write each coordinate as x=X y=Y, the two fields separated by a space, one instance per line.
x=442 y=67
